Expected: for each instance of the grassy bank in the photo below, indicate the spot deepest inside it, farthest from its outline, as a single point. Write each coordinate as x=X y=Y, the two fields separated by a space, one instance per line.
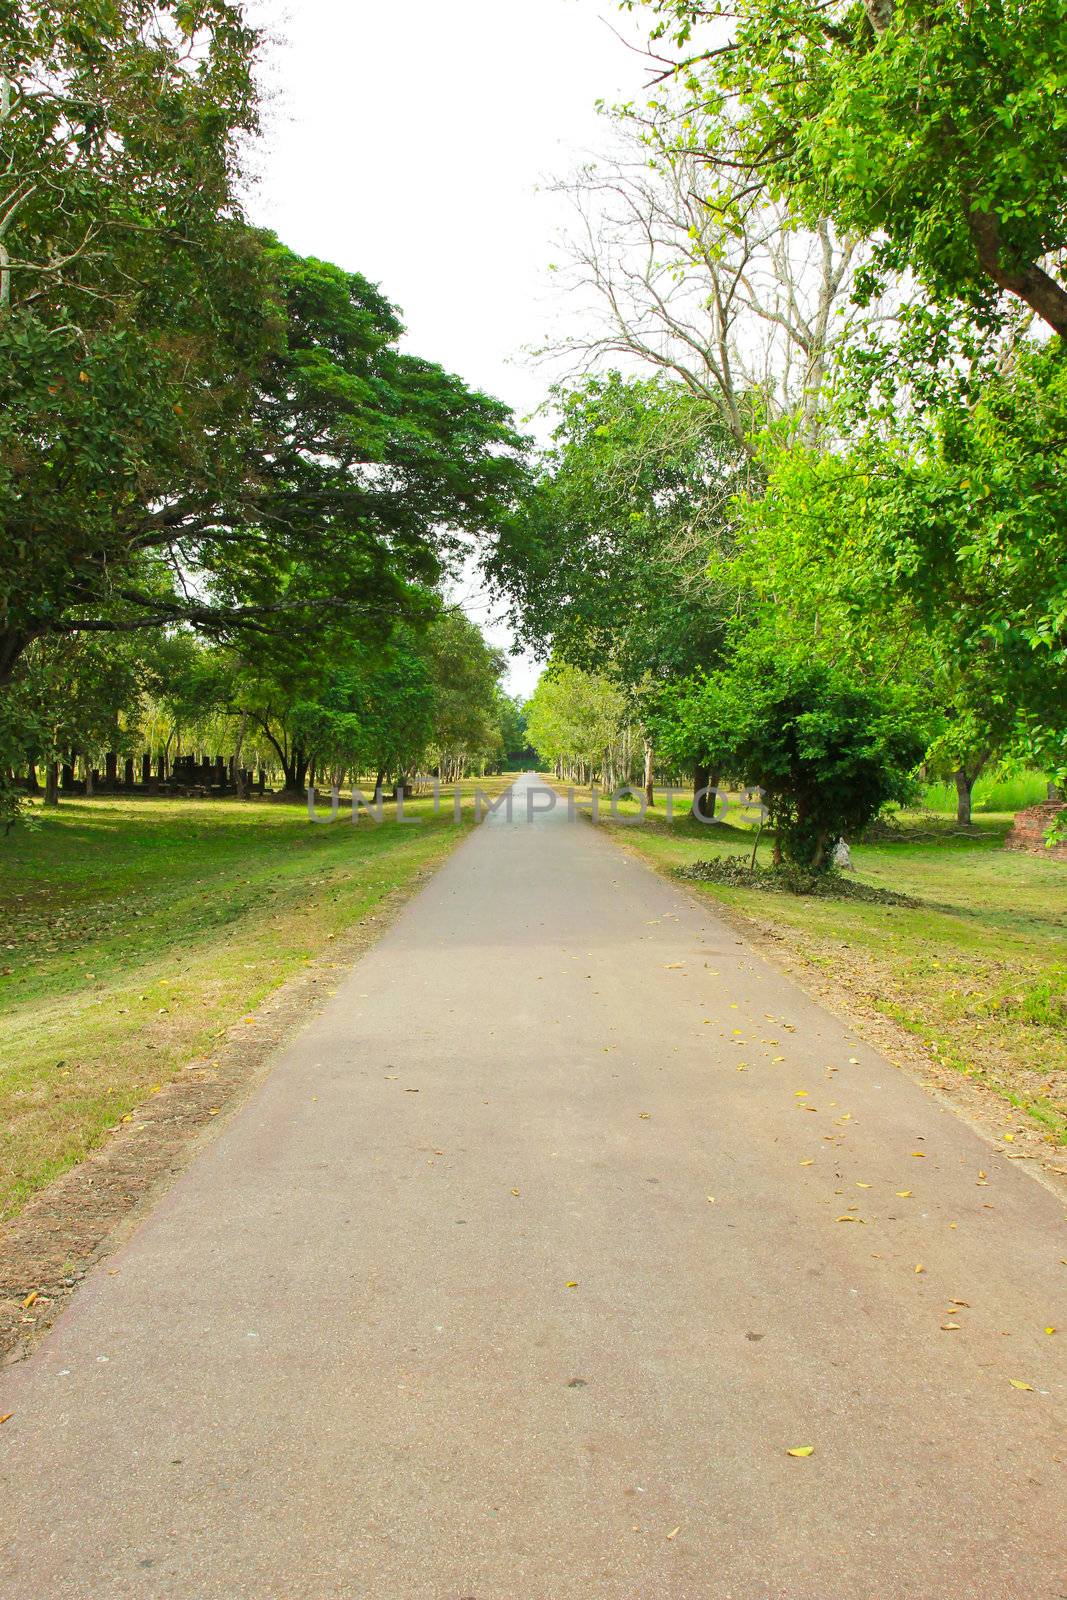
x=135 y=932
x=977 y=970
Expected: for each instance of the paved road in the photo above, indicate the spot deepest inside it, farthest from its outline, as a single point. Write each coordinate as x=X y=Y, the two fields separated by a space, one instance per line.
x=511 y=1284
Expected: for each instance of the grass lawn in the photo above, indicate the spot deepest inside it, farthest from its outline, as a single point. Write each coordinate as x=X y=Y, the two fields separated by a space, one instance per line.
x=137 y=931
x=977 y=971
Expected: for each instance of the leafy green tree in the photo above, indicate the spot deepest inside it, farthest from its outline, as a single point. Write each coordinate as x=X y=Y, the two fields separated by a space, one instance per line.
x=606 y=566
x=939 y=555
x=827 y=751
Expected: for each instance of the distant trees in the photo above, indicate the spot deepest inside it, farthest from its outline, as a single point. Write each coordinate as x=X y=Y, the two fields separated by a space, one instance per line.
x=577 y=723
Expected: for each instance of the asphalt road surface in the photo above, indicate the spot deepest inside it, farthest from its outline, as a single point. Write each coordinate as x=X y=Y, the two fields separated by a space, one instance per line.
x=537 y=1251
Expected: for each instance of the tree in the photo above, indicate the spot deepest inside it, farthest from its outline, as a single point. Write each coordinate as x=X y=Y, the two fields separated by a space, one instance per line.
x=934 y=128
x=466 y=674
x=130 y=296
x=606 y=569
x=827 y=751
x=940 y=548
x=743 y=308
x=348 y=470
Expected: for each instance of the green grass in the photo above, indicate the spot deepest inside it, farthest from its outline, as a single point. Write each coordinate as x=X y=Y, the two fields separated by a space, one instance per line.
x=135 y=932
x=977 y=970
x=991 y=793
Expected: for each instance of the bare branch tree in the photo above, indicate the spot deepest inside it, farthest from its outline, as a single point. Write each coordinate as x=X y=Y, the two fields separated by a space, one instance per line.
x=737 y=302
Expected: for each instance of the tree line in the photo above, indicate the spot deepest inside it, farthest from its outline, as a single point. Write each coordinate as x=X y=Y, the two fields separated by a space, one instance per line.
x=802 y=520
x=224 y=489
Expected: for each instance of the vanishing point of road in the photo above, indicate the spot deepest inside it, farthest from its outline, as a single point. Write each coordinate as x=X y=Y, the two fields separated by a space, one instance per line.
x=523 y=1270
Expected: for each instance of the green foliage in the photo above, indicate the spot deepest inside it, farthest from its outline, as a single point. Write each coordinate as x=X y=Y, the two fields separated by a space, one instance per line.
x=828 y=752
x=605 y=567
x=576 y=718
x=960 y=108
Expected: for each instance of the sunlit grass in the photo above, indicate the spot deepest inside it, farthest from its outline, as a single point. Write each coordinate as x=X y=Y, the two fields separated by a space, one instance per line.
x=135 y=931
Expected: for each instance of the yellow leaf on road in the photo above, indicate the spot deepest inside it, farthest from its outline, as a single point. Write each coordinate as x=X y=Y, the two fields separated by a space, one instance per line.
x=801 y=1450
x=675 y=1531
x=903 y=1194
x=6 y=1417
x=1017 y=1383
x=30 y=1298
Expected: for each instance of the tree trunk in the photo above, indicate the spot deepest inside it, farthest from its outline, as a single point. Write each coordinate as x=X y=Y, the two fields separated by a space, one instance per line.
x=127 y=772
x=51 y=784
x=704 y=804
x=650 y=789
x=964 y=791
x=239 y=784
x=87 y=764
x=111 y=768
x=296 y=772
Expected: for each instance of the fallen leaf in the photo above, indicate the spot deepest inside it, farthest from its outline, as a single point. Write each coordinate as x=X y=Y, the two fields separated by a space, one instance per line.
x=6 y=1417
x=1050 y=1330
x=920 y=1155
x=950 y=1327
x=675 y=1531
x=903 y=1194
x=848 y=1218
x=30 y=1298
x=810 y=1162
x=920 y=1267
x=515 y=1192
x=862 y=1185
x=1017 y=1383
x=801 y=1450
x=573 y=1284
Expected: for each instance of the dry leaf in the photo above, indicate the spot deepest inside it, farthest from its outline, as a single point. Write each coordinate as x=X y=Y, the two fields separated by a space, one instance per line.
x=920 y=1267
x=1050 y=1330
x=675 y=1531
x=903 y=1194
x=950 y=1327
x=810 y=1162
x=801 y=1450
x=848 y=1218
x=30 y=1298
x=6 y=1417
x=1017 y=1383
x=644 y=1115
x=515 y=1192
x=573 y=1284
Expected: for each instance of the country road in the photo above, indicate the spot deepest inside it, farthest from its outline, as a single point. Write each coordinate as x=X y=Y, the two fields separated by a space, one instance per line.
x=517 y=1278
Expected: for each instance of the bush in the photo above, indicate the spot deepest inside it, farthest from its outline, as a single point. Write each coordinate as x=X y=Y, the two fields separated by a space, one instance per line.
x=827 y=751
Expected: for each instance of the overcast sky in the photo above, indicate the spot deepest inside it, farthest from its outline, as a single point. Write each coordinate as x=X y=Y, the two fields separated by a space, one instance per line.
x=407 y=142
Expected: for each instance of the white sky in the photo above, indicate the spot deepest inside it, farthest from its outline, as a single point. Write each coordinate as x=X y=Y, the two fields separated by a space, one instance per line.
x=407 y=142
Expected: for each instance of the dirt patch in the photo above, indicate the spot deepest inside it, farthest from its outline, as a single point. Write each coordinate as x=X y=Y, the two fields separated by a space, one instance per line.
x=64 y=1229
